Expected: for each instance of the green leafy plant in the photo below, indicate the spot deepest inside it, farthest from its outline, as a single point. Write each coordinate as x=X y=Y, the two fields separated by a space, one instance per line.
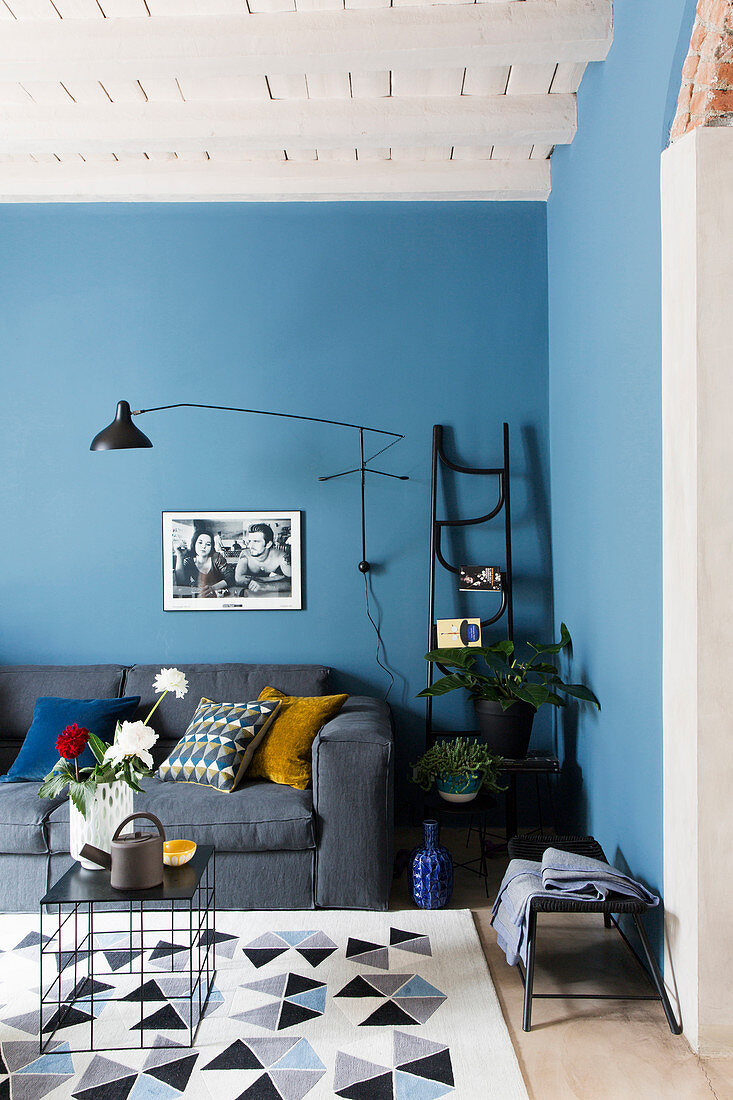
x=508 y=680
x=457 y=756
x=82 y=783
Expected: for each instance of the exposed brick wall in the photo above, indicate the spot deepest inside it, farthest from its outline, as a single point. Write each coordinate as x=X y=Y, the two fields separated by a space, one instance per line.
x=706 y=95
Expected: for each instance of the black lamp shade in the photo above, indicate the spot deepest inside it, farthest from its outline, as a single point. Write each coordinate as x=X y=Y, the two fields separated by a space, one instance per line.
x=121 y=433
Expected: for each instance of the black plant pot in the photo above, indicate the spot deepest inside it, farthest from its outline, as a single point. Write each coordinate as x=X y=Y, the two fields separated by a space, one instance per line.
x=506 y=732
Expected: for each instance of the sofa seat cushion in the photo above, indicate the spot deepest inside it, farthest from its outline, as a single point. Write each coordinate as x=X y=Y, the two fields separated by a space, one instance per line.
x=23 y=817
x=257 y=817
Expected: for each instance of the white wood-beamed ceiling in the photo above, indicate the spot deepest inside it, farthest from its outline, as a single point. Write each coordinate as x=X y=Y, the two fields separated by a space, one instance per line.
x=201 y=100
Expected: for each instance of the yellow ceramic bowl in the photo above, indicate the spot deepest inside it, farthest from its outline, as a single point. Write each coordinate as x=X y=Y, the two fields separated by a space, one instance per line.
x=178 y=852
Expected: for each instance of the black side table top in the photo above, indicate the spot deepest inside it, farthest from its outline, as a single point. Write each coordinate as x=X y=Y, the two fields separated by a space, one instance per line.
x=179 y=883
x=538 y=761
x=533 y=762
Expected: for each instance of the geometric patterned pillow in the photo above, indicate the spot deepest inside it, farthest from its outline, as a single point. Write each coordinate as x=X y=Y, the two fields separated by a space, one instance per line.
x=219 y=743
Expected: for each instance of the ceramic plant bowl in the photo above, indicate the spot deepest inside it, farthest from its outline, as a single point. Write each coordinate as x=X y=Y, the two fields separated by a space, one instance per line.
x=178 y=852
x=461 y=787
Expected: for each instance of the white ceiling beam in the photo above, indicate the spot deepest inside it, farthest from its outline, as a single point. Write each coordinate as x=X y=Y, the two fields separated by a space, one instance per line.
x=530 y=79
x=567 y=77
x=286 y=182
x=534 y=32
x=296 y=124
x=33 y=9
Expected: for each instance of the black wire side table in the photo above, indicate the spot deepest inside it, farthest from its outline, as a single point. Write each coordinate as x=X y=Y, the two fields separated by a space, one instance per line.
x=81 y=912
x=534 y=764
x=472 y=814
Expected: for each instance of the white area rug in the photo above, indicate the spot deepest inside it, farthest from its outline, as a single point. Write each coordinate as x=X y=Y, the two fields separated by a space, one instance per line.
x=369 y=1006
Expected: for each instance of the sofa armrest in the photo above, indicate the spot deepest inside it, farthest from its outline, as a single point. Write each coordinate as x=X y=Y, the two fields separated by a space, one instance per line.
x=353 y=765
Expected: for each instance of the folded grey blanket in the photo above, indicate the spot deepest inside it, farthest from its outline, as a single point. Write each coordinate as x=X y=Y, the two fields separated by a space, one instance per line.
x=575 y=877
x=581 y=876
x=509 y=915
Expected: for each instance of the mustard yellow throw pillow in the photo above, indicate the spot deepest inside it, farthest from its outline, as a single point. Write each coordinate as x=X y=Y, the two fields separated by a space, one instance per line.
x=285 y=754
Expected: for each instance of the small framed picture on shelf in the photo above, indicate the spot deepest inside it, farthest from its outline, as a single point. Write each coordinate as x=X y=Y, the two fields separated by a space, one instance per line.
x=458 y=633
x=479 y=578
x=231 y=561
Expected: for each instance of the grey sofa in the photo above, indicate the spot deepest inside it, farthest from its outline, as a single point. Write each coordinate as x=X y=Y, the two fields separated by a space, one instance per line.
x=277 y=848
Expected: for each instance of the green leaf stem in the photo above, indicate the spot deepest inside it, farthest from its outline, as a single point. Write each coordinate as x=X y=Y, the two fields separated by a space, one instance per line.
x=98 y=747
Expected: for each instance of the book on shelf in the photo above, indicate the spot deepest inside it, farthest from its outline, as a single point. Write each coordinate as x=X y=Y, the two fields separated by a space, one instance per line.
x=479 y=578
x=458 y=633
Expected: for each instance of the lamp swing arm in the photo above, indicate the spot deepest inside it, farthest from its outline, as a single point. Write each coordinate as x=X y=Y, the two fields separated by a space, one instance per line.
x=365 y=463
x=267 y=412
x=123 y=434
x=363 y=468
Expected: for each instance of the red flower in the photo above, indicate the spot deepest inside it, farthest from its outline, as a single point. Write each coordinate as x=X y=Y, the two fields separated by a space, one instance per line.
x=72 y=742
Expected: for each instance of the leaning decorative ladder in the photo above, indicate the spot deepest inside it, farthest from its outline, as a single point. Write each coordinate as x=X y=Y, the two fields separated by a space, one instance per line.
x=476 y=810
x=506 y=607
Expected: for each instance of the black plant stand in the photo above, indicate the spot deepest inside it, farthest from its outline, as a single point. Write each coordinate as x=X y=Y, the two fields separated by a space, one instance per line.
x=68 y=947
x=468 y=814
x=534 y=764
x=533 y=848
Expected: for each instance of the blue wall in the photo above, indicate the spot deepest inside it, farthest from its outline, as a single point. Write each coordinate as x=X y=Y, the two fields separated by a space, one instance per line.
x=396 y=315
x=605 y=424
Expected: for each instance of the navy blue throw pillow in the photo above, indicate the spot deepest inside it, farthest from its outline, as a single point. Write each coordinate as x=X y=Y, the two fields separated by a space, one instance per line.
x=51 y=716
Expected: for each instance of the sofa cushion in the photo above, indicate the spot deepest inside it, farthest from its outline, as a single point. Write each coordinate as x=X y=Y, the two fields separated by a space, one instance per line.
x=51 y=717
x=21 y=685
x=217 y=747
x=257 y=817
x=22 y=818
x=234 y=681
x=285 y=754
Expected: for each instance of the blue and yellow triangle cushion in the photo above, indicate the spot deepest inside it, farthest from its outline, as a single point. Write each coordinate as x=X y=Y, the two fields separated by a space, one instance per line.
x=218 y=745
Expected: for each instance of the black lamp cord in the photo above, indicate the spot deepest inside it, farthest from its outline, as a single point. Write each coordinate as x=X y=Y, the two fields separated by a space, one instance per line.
x=380 y=641
x=364 y=564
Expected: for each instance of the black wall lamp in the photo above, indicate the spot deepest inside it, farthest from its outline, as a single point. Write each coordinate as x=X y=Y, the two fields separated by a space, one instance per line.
x=123 y=434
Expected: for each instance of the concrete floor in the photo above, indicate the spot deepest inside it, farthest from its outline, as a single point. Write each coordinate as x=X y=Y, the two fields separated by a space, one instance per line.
x=594 y=1050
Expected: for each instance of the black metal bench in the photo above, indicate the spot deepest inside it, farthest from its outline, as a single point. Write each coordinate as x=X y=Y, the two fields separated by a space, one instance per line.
x=533 y=847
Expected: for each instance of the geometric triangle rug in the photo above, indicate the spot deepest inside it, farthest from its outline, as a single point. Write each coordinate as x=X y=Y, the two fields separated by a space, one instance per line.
x=304 y=1005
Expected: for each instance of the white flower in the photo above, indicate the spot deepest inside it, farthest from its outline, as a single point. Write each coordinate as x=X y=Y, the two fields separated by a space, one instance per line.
x=170 y=679
x=131 y=739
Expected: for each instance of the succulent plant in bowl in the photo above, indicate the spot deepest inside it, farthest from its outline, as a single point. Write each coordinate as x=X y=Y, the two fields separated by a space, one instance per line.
x=460 y=767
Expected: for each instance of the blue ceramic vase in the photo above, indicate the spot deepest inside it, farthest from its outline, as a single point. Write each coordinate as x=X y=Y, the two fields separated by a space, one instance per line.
x=431 y=871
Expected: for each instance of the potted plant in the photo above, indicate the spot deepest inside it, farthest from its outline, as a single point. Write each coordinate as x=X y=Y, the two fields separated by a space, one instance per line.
x=100 y=797
x=510 y=692
x=459 y=767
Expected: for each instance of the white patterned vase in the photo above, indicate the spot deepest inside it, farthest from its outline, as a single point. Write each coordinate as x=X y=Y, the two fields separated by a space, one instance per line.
x=112 y=804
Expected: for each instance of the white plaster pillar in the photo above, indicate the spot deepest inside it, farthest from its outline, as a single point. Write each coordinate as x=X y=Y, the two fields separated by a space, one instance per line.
x=697 y=430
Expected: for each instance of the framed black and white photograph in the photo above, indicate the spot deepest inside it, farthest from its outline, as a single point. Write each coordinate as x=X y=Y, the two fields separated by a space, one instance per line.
x=231 y=561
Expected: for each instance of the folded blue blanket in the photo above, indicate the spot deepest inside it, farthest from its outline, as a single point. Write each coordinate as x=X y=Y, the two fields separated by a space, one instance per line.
x=569 y=872
x=575 y=877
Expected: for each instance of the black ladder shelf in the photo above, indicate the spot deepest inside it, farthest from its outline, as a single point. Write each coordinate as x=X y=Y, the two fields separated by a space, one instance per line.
x=506 y=606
